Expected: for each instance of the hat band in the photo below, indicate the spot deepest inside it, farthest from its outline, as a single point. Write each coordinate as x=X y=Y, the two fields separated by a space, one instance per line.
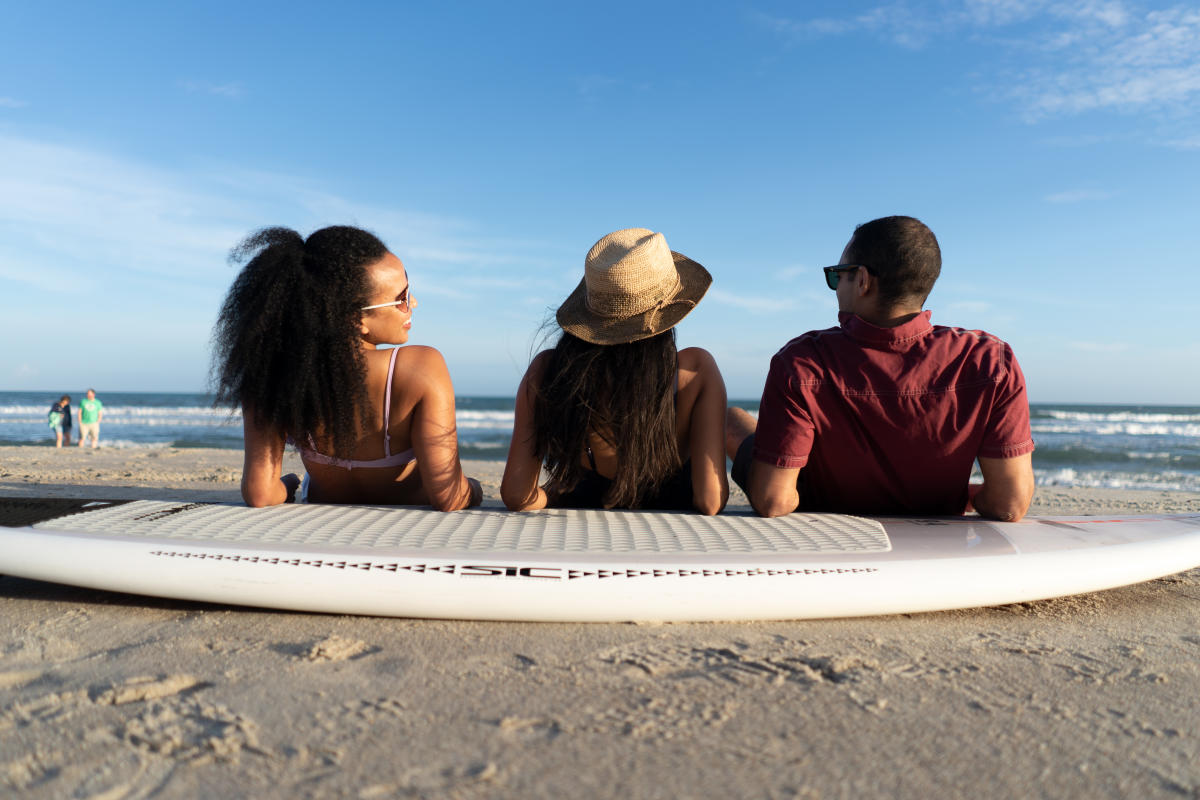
x=619 y=305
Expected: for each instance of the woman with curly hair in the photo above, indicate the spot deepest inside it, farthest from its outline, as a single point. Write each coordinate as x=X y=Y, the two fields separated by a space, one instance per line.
x=617 y=416
x=296 y=348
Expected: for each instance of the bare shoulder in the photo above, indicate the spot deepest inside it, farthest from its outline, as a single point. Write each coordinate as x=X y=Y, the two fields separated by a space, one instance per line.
x=417 y=355
x=537 y=368
x=696 y=363
x=422 y=368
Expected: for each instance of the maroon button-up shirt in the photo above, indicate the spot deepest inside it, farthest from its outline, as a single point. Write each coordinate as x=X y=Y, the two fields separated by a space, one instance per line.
x=890 y=420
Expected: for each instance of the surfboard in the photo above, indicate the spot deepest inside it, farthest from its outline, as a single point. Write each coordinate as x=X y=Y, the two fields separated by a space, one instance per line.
x=582 y=566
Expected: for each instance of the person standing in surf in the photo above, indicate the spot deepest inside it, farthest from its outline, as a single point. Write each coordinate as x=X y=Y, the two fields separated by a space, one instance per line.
x=298 y=349
x=886 y=413
x=59 y=420
x=91 y=413
x=618 y=417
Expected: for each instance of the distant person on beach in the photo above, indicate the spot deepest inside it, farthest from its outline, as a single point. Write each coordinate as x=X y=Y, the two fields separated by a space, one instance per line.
x=297 y=349
x=619 y=417
x=886 y=413
x=91 y=411
x=59 y=420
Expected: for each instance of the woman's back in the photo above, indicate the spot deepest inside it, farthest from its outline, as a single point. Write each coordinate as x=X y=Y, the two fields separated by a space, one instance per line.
x=298 y=348
x=614 y=413
x=698 y=397
x=382 y=466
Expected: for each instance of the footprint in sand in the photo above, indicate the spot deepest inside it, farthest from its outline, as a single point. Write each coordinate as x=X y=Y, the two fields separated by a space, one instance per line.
x=335 y=648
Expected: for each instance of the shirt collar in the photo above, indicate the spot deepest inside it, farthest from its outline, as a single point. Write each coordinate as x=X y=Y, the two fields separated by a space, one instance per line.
x=860 y=330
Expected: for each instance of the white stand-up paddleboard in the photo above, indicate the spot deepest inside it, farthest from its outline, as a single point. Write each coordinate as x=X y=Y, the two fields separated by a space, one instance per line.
x=587 y=566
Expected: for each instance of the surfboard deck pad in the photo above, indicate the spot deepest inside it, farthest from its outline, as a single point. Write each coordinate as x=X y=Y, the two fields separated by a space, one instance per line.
x=579 y=565
x=375 y=528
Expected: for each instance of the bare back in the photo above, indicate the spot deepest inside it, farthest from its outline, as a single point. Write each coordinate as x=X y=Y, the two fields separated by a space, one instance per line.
x=421 y=420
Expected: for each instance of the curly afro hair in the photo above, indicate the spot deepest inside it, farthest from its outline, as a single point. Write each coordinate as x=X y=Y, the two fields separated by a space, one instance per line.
x=287 y=347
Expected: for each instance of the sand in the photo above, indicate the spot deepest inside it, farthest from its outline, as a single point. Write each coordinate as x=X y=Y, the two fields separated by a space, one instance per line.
x=115 y=696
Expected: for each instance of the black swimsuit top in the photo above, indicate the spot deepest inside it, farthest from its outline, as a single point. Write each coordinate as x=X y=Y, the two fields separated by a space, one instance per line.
x=674 y=494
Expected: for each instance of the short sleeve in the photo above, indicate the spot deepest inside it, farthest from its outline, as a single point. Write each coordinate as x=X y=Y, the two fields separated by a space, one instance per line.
x=1008 y=433
x=784 y=435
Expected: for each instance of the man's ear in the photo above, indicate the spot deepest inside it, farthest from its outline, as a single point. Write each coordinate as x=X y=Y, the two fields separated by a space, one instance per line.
x=864 y=282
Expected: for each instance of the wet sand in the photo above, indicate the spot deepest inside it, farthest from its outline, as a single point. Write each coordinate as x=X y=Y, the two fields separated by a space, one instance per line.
x=114 y=696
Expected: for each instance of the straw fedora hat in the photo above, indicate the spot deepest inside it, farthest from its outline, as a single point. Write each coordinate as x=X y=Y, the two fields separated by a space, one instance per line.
x=633 y=287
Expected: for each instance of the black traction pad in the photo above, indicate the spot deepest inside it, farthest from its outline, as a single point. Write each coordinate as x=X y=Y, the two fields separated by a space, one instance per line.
x=19 y=512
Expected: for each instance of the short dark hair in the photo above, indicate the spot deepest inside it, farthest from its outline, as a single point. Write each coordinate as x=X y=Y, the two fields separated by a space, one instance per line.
x=902 y=253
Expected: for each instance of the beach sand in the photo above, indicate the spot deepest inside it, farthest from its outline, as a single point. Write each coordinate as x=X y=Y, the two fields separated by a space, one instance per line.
x=114 y=696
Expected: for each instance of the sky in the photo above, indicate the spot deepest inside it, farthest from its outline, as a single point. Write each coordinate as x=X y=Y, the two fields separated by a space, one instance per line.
x=1053 y=148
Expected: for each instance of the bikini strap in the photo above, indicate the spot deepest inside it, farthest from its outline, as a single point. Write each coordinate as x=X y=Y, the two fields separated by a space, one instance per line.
x=387 y=406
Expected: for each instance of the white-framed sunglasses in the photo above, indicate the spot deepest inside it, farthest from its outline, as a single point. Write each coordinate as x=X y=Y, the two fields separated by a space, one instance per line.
x=405 y=303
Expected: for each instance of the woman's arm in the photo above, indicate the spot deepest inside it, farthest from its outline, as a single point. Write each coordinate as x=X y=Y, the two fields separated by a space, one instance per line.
x=519 y=488
x=263 y=483
x=435 y=434
x=706 y=434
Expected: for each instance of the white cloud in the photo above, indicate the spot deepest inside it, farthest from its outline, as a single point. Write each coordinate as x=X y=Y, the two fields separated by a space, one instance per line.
x=64 y=207
x=233 y=90
x=792 y=273
x=895 y=22
x=809 y=28
x=12 y=102
x=148 y=245
x=1077 y=196
x=1099 y=347
x=1189 y=143
x=765 y=305
x=68 y=209
x=590 y=85
x=62 y=280
x=443 y=290
x=968 y=306
x=1080 y=140
x=1068 y=57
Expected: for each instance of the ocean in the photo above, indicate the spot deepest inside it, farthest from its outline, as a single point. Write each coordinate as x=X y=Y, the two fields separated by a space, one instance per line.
x=1105 y=446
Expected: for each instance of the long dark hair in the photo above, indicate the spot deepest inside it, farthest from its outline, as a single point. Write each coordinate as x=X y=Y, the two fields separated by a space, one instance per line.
x=623 y=393
x=287 y=343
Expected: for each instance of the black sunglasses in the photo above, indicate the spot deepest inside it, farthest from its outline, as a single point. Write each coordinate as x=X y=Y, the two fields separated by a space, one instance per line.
x=834 y=274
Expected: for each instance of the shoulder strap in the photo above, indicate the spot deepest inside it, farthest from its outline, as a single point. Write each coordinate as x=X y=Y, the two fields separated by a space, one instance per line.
x=387 y=405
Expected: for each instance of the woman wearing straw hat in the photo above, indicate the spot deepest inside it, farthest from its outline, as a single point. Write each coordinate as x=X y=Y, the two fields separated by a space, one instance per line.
x=616 y=415
x=297 y=350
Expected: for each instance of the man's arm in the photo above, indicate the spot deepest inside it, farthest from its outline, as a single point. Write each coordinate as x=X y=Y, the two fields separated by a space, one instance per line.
x=773 y=490
x=1007 y=489
x=784 y=433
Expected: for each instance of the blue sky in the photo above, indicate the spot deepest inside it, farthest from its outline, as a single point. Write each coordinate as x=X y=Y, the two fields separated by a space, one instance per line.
x=1053 y=147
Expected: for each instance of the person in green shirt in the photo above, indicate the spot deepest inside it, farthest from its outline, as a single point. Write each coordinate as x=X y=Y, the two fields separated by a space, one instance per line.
x=91 y=411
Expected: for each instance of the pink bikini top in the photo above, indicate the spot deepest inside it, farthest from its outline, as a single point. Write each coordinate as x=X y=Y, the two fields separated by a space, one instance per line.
x=389 y=459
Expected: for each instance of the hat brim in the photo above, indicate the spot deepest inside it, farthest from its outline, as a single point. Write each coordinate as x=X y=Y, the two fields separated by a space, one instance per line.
x=577 y=319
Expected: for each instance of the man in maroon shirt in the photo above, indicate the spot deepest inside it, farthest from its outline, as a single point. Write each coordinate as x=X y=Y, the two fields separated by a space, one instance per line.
x=887 y=413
